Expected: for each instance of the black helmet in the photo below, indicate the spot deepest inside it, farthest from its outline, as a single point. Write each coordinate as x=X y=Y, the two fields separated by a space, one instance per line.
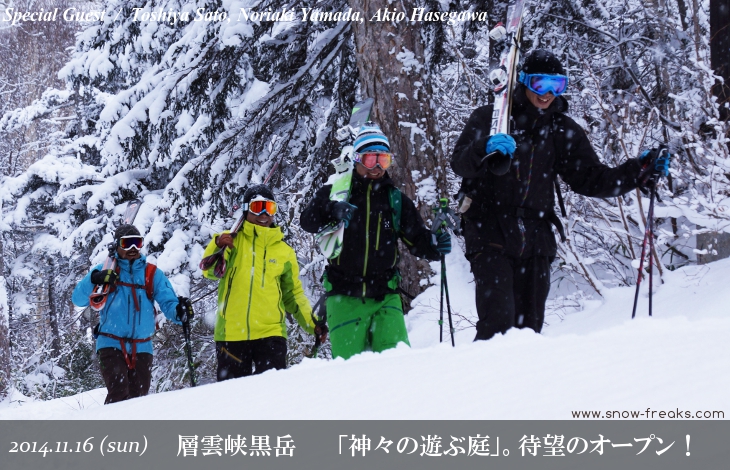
x=257 y=190
x=542 y=61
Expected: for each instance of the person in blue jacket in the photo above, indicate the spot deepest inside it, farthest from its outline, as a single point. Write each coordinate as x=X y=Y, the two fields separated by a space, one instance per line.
x=127 y=320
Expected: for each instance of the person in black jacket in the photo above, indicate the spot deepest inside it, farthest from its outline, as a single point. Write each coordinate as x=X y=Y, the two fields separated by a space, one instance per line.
x=364 y=309
x=508 y=218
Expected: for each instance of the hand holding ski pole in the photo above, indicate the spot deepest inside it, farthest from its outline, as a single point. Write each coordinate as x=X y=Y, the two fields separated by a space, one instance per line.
x=655 y=164
x=320 y=335
x=184 y=310
x=445 y=218
x=443 y=242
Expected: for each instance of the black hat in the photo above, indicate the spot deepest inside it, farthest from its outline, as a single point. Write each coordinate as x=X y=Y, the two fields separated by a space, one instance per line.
x=542 y=61
x=257 y=190
x=124 y=230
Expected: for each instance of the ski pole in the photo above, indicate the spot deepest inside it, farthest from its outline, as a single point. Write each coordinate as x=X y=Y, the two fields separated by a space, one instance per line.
x=441 y=305
x=321 y=308
x=647 y=234
x=445 y=288
x=445 y=218
x=651 y=245
x=315 y=348
x=188 y=348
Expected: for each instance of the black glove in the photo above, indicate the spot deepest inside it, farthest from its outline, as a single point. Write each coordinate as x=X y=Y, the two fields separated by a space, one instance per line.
x=654 y=163
x=320 y=331
x=343 y=211
x=184 y=310
x=442 y=242
x=108 y=276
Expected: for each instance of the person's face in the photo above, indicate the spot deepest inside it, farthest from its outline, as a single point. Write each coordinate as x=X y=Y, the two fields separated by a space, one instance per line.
x=540 y=102
x=263 y=219
x=130 y=254
x=374 y=174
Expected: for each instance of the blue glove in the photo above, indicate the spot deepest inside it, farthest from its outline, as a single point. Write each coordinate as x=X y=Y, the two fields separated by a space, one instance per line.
x=502 y=143
x=655 y=162
x=443 y=242
x=343 y=211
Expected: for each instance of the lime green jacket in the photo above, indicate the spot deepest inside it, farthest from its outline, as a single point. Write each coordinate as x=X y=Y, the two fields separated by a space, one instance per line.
x=260 y=285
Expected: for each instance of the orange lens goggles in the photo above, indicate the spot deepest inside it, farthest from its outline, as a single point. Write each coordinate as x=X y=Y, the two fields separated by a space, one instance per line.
x=259 y=207
x=372 y=159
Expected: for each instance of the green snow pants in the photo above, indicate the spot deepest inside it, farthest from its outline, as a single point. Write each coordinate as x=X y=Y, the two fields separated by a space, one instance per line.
x=362 y=324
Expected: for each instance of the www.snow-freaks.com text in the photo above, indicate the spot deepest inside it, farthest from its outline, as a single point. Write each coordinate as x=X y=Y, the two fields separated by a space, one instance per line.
x=649 y=414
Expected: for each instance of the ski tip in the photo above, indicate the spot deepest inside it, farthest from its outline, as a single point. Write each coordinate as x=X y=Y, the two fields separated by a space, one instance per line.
x=362 y=104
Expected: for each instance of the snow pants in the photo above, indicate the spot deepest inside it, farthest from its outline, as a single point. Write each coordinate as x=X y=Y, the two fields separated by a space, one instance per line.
x=121 y=382
x=510 y=292
x=238 y=358
x=361 y=324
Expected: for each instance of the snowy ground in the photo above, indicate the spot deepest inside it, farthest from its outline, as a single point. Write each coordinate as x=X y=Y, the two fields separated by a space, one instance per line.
x=596 y=359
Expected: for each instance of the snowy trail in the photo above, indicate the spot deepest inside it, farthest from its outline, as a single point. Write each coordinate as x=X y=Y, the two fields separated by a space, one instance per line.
x=597 y=359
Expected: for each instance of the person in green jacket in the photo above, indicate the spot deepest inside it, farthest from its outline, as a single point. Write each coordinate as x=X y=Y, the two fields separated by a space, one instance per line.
x=364 y=308
x=260 y=284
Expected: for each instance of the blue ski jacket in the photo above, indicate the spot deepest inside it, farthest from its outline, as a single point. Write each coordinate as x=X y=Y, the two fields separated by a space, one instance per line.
x=119 y=317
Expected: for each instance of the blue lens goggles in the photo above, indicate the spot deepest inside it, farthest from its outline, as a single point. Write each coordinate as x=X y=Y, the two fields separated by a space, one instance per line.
x=540 y=84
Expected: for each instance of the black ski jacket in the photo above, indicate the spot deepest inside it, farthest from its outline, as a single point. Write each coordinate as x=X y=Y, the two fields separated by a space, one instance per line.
x=512 y=213
x=367 y=265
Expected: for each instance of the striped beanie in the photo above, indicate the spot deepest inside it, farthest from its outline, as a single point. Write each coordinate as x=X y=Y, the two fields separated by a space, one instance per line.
x=370 y=138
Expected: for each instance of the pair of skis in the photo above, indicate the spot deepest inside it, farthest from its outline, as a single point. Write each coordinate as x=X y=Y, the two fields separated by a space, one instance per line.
x=97 y=299
x=505 y=41
x=217 y=259
x=330 y=238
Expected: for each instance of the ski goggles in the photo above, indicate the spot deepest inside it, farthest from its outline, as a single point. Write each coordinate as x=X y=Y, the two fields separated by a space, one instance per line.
x=541 y=84
x=130 y=241
x=259 y=206
x=372 y=159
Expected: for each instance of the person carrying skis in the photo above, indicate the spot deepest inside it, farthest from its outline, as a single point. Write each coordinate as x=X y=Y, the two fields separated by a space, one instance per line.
x=260 y=284
x=127 y=320
x=364 y=309
x=507 y=225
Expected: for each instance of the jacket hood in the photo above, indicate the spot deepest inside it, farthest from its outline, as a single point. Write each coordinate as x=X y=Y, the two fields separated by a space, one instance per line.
x=268 y=234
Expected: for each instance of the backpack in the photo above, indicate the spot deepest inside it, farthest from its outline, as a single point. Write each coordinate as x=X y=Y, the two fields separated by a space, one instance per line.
x=149 y=283
x=149 y=287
